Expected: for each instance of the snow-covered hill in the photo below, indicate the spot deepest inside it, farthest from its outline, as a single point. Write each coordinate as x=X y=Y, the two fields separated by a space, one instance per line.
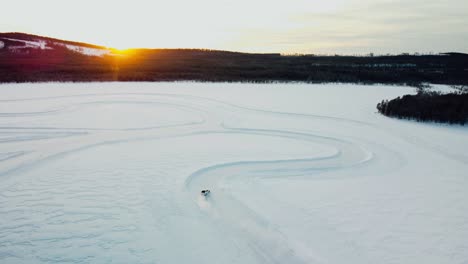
x=23 y=44
x=298 y=173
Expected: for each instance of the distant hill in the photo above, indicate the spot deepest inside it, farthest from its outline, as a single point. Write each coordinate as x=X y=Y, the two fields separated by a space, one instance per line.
x=29 y=37
x=30 y=58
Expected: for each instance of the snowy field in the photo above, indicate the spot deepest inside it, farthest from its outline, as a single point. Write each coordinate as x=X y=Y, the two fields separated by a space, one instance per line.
x=298 y=173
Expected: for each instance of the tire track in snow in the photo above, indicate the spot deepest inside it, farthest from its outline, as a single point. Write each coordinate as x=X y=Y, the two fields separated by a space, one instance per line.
x=265 y=240
x=17 y=134
x=191 y=98
x=268 y=243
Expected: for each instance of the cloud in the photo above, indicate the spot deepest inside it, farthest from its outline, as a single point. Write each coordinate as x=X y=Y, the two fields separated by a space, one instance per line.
x=381 y=26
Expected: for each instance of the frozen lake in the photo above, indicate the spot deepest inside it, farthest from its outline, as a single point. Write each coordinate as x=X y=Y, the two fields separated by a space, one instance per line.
x=298 y=173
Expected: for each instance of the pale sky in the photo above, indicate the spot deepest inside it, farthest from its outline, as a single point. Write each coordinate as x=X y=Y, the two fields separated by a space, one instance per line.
x=293 y=26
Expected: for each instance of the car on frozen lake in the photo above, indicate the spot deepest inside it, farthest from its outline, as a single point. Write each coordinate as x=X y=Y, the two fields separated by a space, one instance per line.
x=205 y=192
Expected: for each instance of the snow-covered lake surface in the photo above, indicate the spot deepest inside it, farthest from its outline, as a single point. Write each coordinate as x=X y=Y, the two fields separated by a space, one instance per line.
x=298 y=173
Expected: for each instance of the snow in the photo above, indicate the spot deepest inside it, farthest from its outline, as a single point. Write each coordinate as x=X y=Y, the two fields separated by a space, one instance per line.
x=298 y=173
x=42 y=44
x=85 y=50
x=39 y=44
x=442 y=88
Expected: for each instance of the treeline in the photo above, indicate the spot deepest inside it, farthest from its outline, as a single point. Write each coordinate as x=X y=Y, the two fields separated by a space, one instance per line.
x=154 y=65
x=428 y=106
x=61 y=64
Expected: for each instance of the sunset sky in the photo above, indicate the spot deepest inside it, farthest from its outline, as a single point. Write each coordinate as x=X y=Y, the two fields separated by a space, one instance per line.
x=294 y=26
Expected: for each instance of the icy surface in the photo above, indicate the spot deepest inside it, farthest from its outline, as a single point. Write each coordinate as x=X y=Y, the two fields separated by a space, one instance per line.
x=298 y=173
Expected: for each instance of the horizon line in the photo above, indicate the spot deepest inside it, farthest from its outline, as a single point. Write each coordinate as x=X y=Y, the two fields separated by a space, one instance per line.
x=366 y=54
